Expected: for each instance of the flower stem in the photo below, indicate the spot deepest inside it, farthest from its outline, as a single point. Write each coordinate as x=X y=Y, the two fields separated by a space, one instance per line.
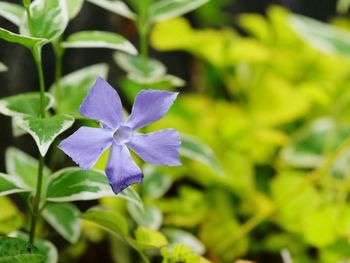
x=36 y=202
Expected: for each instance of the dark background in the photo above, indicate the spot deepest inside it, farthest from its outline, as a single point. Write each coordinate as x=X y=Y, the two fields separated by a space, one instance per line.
x=22 y=76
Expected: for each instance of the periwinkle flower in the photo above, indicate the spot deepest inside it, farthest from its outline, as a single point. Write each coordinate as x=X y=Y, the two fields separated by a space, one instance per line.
x=103 y=104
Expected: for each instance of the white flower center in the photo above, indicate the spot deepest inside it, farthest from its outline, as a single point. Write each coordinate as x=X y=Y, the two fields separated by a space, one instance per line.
x=122 y=135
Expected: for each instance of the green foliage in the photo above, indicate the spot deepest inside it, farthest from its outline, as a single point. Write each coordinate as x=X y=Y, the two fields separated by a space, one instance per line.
x=11 y=12
x=44 y=247
x=147 y=215
x=108 y=219
x=14 y=250
x=181 y=253
x=149 y=238
x=11 y=218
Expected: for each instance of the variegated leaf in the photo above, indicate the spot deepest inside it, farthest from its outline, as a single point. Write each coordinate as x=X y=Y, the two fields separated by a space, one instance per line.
x=115 y=6
x=73 y=184
x=10 y=185
x=27 y=104
x=99 y=39
x=167 y=9
x=44 y=131
x=12 y=12
x=48 y=19
x=64 y=218
x=73 y=88
x=24 y=167
x=26 y=41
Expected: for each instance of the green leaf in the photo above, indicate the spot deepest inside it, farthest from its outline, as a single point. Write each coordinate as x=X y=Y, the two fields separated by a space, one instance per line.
x=292 y=214
x=11 y=218
x=136 y=66
x=74 y=7
x=155 y=183
x=107 y=219
x=73 y=88
x=149 y=238
x=24 y=167
x=148 y=215
x=10 y=185
x=167 y=9
x=115 y=6
x=322 y=36
x=26 y=41
x=14 y=250
x=178 y=236
x=196 y=150
x=310 y=143
x=64 y=218
x=48 y=19
x=44 y=131
x=12 y=12
x=319 y=228
x=181 y=253
x=45 y=247
x=132 y=196
x=24 y=104
x=73 y=184
x=2 y=67
x=99 y=39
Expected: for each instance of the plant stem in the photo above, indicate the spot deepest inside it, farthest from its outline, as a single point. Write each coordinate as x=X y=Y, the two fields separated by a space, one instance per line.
x=36 y=202
x=58 y=51
x=27 y=7
x=37 y=58
x=143 y=29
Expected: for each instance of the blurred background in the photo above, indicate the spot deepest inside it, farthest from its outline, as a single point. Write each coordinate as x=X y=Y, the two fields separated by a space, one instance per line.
x=267 y=92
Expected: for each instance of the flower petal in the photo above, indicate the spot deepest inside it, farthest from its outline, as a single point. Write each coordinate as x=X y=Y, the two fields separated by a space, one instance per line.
x=159 y=148
x=121 y=169
x=103 y=104
x=86 y=145
x=150 y=106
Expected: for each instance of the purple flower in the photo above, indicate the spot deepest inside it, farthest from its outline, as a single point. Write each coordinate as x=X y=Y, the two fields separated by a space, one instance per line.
x=86 y=145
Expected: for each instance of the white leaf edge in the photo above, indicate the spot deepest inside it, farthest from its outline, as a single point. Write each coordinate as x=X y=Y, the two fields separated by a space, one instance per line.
x=117 y=7
x=76 y=226
x=24 y=30
x=7 y=112
x=18 y=182
x=126 y=46
x=43 y=146
x=106 y=190
x=176 y=12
